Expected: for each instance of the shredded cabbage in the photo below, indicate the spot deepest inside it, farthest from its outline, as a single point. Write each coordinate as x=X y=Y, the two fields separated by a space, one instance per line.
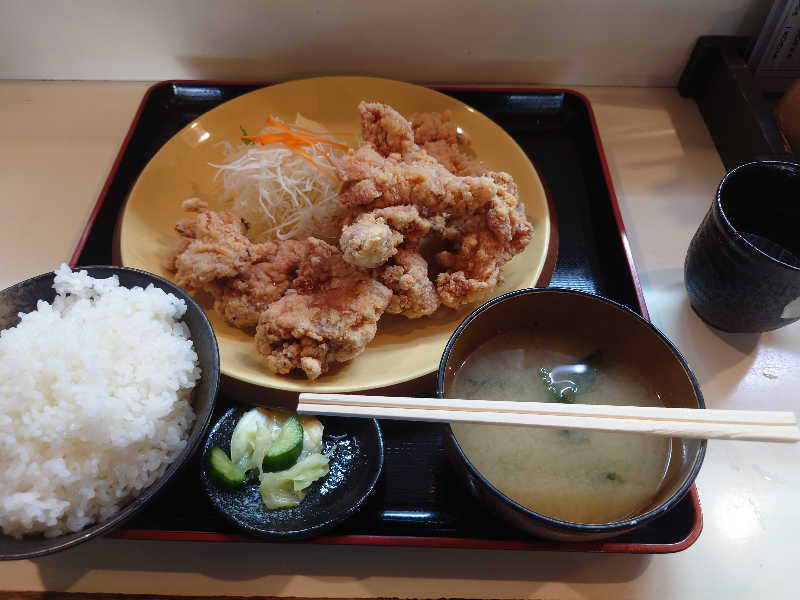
x=287 y=488
x=279 y=194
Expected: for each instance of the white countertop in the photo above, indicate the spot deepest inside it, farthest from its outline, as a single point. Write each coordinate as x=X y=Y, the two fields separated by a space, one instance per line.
x=58 y=144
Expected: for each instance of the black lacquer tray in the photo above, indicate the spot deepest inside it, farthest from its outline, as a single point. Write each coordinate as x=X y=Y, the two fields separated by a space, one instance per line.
x=418 y=502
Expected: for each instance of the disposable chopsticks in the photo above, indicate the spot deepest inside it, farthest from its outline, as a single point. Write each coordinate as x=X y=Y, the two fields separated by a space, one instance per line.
x=771 y=426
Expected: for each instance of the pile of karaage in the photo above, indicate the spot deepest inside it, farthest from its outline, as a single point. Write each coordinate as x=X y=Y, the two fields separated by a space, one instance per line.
x=426 y=225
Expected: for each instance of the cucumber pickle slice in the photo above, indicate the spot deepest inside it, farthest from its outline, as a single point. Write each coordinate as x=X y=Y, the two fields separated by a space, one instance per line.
x=286 y=448
x=222 y=470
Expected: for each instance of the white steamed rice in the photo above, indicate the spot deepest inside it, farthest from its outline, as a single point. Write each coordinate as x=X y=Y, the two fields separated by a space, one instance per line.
x=94 y=402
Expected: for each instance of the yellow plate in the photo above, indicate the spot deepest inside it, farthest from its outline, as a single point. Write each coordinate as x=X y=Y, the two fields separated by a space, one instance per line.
x=404 y=349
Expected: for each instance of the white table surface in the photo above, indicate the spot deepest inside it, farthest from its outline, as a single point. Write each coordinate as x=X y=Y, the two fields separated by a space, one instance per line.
x=57 y=144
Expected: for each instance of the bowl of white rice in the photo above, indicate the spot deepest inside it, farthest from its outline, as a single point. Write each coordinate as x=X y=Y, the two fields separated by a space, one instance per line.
x=108 y=377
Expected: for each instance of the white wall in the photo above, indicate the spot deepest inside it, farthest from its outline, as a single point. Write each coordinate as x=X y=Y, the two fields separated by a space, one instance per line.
x=602 y=42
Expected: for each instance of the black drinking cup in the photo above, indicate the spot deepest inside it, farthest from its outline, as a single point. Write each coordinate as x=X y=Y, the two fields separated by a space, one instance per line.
x=742 y=270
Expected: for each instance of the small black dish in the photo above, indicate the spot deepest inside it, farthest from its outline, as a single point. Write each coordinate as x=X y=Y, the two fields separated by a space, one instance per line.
x=22 y=297
x=356 y=449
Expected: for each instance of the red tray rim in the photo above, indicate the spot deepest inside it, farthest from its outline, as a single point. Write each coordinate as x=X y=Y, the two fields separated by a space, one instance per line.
x=416 y=541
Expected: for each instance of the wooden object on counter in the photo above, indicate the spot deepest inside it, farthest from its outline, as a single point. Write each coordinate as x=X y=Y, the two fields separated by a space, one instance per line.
x=787 y=114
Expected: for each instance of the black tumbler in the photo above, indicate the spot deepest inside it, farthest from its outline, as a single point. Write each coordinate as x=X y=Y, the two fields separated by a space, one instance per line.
x=742 y=270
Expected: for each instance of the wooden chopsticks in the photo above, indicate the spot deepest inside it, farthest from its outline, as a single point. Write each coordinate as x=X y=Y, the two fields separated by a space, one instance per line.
x=768 y=426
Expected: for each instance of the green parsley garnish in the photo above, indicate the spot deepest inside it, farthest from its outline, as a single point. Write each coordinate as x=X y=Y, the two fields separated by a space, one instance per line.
x=248 y=142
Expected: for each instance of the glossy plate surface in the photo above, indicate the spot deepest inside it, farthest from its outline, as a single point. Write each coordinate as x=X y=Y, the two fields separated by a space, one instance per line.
x=404 y=349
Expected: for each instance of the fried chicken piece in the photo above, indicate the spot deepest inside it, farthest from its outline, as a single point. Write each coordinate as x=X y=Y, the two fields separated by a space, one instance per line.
x=215 y=256
x=385 y=128
x=413 y=293
x=370 y=239
x=241 y=300
x=213 y=247
x=483 y=219
x=437 y=126
x=433 y=132
x=328 y=315
x=373 y=239
x=473 y=270
x=454 y=160
x=309 y=307
x=480 y=215
x=391 y=133
x=406 y=220
x=446 y=142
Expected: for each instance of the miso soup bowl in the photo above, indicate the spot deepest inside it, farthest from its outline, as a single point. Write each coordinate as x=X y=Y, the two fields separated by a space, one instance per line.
x=592 y=318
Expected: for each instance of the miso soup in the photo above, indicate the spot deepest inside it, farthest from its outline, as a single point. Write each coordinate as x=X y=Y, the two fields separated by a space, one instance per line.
x=577 y=476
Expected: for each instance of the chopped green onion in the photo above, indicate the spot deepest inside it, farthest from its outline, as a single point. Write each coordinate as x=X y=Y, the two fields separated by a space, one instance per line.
x=247 y=142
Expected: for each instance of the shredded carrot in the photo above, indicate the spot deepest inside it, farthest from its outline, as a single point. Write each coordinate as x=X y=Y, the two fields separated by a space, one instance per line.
x=328 y=158
x=295 y=139
x=305 y=134
x=310 y=159
x=314 y=132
